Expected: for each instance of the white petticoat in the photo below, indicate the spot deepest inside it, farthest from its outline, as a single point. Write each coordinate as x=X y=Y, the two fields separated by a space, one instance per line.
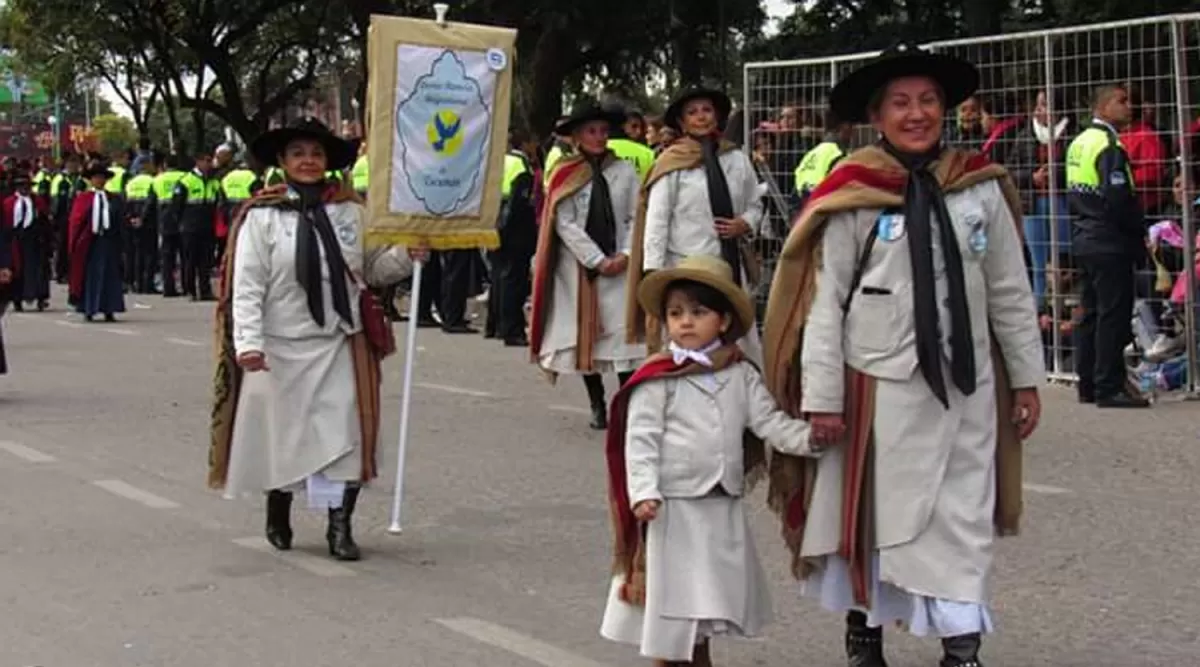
x=922 y=615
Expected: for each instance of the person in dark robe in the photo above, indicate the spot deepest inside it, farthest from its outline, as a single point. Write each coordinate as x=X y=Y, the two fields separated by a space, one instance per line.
x=95 y=249
x=6 y=278
x=28 y=219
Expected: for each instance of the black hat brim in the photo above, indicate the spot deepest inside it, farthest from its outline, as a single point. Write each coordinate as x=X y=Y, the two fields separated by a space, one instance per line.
x=267 y=147
x=578 y=119
x=721 y=102
x=88 y=173
x=852 y=95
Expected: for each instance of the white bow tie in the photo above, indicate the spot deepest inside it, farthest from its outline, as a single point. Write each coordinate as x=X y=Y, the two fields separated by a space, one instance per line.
x=681 y=355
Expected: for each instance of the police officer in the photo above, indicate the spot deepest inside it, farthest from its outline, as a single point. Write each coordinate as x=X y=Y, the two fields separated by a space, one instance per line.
x=818 y=162
x=115 y=189
x=360 y=174
x=63 y=188
x=194 y=208
x=518 y=240
x=171 y=245
x=636 y=153
x=237 y=186
x=1108 y=239
x=142 y=233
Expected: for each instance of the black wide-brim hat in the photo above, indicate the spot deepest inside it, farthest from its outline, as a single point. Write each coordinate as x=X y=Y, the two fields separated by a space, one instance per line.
x=720 y=101
x=852 y=95
x=587 y=112
x=339 y=153
x=96 y=169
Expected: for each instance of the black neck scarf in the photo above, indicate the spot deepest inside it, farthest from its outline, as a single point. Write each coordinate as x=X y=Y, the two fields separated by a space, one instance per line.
x=601 y=223
x=923 y=204
x=314 y=224
x=720 y=201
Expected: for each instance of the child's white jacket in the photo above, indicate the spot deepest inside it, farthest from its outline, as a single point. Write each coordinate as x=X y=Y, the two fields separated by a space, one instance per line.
x=684 y=434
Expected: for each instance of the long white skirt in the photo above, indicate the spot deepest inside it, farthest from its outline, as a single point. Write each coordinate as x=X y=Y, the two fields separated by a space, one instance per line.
x=703 y=579
x=297 y=419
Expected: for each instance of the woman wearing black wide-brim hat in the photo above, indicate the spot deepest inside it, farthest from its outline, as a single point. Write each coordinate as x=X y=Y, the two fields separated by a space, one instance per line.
x=296 y=402
x=28 y=217
x=701 y=198
x=906 y=258
x=577 y=323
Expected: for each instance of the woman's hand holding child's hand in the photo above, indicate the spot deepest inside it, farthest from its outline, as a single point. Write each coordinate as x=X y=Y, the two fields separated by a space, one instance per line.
x=646 y=510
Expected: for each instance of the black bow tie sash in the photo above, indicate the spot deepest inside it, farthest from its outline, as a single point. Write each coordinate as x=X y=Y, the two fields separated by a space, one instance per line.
x=923 y=205
x=601 y=225
x=314 y=227
x=721 y=203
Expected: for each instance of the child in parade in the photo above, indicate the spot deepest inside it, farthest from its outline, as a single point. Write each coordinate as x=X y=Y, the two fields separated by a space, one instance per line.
x=686 y=439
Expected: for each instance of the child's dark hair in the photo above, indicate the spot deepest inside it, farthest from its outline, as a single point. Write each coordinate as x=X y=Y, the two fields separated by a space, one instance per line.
x=697 y=292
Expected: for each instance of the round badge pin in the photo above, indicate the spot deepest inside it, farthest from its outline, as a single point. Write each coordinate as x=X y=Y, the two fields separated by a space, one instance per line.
x=890 y=227
x=978 y=240
x=497 y=59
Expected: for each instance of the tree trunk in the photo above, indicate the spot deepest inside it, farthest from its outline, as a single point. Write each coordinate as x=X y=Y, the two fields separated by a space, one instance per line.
x=687 y=57
x=551 y=62
x=172 y=120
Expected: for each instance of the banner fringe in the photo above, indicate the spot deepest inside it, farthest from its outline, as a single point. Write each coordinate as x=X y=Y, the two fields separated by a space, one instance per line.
x=486 y=240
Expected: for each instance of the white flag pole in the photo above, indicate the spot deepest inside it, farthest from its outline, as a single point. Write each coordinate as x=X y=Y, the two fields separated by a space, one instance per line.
x=410 y=363
x=410 y=360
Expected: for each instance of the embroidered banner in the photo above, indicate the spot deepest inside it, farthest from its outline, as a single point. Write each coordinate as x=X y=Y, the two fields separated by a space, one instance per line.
x=439 y=99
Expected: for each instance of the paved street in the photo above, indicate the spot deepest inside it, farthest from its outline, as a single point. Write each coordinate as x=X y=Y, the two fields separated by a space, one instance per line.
x=116 y=555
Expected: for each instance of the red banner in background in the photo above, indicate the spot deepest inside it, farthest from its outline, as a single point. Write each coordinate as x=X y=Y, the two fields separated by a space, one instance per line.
x=27 y=141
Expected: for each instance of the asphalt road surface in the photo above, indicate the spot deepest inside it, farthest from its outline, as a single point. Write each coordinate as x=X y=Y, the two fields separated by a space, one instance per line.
x=114 y=554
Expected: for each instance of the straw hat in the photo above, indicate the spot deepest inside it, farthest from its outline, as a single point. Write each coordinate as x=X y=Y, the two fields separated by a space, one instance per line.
x=707 y=270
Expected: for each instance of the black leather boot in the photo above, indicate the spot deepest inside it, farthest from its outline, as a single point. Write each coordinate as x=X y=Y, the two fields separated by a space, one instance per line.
x=339 y=536
x=279 y=520
x=864 y=645
x=595 y=390
x=961 y=651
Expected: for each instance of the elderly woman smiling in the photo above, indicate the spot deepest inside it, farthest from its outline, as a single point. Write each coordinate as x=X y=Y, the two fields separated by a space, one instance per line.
x=901 y=325
x=297 y=386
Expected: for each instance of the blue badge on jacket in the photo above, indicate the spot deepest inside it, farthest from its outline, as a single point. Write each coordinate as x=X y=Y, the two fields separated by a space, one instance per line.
x=890 y=227
x=977 y=240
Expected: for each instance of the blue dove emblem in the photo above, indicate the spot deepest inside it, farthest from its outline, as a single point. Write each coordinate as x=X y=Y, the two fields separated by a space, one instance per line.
x=444 y=136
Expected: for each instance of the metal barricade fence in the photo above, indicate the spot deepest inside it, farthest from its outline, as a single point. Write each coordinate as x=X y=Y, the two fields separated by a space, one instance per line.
x=1034 y=97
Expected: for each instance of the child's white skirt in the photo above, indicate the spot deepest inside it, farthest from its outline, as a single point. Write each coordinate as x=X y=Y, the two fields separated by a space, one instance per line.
x=703 y=579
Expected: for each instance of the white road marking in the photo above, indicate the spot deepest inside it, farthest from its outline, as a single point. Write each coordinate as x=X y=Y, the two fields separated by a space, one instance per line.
x=313 y=564
x=27 y=453
x=453 y=390
x=1044 y=489
x=573 y=409
x=68 y=323
x=130 y=492
x=120 y=332
x=184 y=341
x=514 y=642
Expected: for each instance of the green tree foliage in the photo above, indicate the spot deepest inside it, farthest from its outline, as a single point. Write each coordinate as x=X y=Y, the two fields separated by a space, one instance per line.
x=257 y=54
x=114 y=133
x=219 y=62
